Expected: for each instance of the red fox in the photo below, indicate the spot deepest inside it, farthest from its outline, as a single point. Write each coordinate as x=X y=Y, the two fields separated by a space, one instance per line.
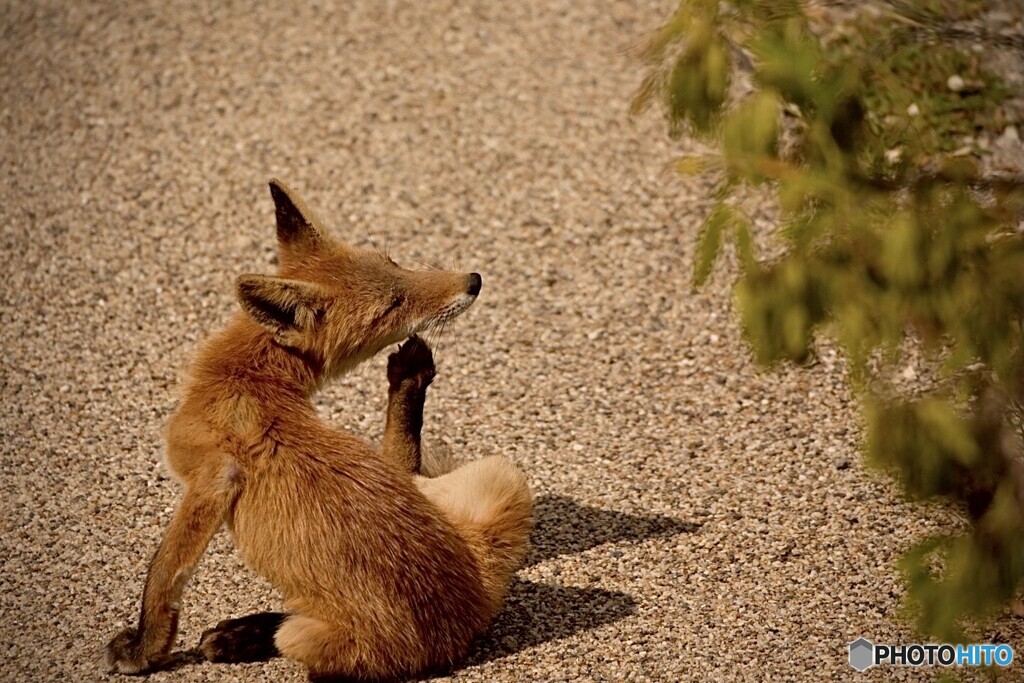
x=385 y=572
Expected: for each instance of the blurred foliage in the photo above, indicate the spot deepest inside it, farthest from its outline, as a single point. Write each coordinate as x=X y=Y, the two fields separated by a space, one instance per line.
x=914 y=73
x=891 y=242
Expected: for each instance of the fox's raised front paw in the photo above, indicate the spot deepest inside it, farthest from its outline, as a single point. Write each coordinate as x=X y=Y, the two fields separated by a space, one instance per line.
x=124 y=654
x=413 y=361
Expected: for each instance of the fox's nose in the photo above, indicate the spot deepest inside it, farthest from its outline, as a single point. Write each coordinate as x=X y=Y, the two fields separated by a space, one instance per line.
x=475 y=283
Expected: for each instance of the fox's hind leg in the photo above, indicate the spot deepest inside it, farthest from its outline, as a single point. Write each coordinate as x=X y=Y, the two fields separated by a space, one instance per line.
x=410 y=372
x=246 y=639
x=332 y=653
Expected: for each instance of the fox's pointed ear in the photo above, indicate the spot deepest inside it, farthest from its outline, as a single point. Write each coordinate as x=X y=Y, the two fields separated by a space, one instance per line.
x=298 y=230
x=288 y=308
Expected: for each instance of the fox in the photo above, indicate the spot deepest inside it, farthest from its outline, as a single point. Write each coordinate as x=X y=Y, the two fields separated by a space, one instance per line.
x=386 y=569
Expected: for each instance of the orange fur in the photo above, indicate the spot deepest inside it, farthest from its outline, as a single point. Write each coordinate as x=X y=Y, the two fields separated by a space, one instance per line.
x=384 y=572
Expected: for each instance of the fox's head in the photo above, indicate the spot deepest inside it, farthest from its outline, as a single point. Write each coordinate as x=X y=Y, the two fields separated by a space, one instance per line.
x=342 y=304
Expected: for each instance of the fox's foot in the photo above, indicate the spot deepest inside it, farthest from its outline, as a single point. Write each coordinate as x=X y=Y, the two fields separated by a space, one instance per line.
x=411 y=366
x=125 y=655
x=246 y=639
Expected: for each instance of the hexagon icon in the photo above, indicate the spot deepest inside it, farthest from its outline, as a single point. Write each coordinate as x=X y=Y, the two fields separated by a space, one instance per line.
x=862 y=654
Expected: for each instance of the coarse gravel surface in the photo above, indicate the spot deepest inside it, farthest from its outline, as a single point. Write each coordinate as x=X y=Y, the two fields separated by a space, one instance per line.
x=698 y=518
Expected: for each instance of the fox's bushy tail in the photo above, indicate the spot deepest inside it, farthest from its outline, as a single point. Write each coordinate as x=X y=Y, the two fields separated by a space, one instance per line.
x=490 y=504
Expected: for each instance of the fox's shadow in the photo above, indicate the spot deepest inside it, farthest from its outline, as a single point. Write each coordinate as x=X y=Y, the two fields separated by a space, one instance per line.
x=564 y=527
x=536 y=613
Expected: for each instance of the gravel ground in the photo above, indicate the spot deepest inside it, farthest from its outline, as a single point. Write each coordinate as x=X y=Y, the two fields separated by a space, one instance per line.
x=699 y=519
